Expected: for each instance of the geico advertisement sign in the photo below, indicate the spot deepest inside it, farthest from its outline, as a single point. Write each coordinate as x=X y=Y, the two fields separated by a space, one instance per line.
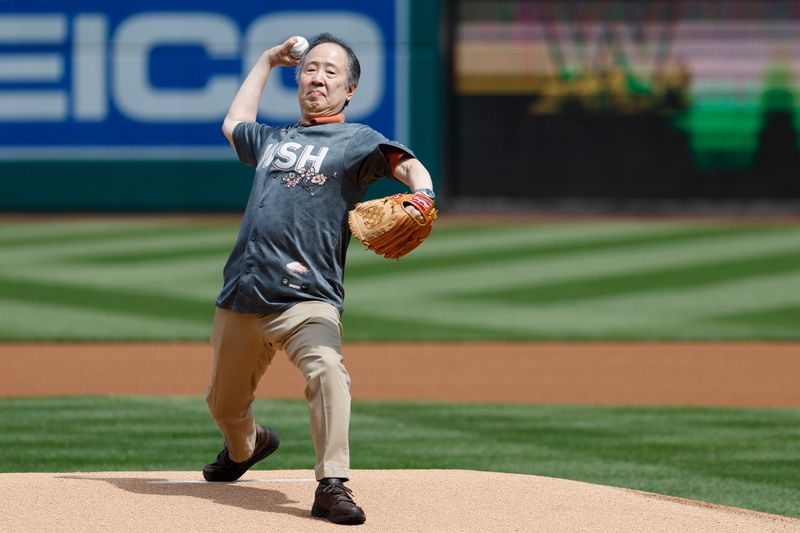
x=103 y=67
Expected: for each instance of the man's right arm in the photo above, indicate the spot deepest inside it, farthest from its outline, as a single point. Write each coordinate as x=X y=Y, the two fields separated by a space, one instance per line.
x=244 y=107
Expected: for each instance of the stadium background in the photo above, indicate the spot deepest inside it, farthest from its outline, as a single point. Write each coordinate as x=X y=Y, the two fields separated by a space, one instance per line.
x=566 y=114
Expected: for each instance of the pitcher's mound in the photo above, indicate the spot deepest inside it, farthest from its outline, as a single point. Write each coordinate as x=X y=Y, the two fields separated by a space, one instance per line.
x=394 y=500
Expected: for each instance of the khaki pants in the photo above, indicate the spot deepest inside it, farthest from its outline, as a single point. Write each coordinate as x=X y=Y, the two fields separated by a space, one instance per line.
x=244 y=345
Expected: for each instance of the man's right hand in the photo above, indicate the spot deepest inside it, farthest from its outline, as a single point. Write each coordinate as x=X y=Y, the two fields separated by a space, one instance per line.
x=279 y=56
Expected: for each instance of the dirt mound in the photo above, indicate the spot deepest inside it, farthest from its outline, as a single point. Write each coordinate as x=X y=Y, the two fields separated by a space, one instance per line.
x=394 y=500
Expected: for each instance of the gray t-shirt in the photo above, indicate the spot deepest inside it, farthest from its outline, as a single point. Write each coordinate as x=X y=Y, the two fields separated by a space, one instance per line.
x=293 y=238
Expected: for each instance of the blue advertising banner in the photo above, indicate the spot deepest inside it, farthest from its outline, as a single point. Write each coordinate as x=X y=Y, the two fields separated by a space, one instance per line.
x=152 y=79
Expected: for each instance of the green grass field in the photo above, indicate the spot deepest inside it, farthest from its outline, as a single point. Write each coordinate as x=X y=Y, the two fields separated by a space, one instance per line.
x=143 y=279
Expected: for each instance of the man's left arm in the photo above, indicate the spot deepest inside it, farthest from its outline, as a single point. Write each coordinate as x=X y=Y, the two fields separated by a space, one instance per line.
x=412 y=172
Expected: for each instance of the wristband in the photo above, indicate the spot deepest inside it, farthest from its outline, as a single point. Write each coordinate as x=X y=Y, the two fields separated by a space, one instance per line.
x=427 y=192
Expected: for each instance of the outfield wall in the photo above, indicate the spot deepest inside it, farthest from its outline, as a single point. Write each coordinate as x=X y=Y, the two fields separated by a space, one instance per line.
x=622 y=106
x=119 y=109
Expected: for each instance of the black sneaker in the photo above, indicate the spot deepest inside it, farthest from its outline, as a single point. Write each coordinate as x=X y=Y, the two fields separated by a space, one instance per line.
x=333 y=501
x=224 y=469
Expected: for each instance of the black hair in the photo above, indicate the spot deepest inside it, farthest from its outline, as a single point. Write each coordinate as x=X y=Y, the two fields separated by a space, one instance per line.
x=353 y=66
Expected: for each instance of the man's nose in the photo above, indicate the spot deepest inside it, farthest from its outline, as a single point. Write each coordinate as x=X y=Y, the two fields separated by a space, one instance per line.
x=318 y=78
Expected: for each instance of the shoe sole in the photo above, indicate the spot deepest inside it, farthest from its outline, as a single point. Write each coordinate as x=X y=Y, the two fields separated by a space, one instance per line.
x=274 y=442
x=352 y=519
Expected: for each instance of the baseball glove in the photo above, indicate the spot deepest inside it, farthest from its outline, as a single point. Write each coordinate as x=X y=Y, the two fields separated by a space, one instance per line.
x=387 y=228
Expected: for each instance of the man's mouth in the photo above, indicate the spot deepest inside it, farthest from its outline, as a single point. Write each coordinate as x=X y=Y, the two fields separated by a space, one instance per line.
x=315 y=93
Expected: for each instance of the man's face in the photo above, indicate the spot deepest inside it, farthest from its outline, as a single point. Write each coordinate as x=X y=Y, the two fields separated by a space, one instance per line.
x=322 y=84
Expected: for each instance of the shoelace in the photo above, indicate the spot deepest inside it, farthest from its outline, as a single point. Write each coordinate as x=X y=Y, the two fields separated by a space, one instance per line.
x=341 y=492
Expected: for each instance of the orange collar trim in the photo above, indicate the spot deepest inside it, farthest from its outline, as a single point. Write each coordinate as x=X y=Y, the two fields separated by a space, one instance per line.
x=332 y=119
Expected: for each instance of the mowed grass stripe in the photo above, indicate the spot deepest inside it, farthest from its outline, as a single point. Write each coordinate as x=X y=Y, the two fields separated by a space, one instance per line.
x=786 y=316
x=748 y=294
x=198 y=278
x=474 y=256
x=496 y=239
x=195 y=277
x=220 y=251
x=100 y=233
x=54 y=226
x=133 y=244
x=112 y=300
x=23 y=321
x=690 y=313
x=370 y=325
x=678 y=278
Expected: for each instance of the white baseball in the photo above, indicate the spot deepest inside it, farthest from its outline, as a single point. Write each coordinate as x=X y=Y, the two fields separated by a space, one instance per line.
x=299 y=47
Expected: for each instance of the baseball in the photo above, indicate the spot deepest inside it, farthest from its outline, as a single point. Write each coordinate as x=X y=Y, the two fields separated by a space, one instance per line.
x=299 y=47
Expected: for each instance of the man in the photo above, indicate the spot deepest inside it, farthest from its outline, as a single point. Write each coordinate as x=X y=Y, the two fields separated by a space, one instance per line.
x=283 y=280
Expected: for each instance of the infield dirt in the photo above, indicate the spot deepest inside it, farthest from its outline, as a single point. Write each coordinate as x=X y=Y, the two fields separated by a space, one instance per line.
x=712 y=374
